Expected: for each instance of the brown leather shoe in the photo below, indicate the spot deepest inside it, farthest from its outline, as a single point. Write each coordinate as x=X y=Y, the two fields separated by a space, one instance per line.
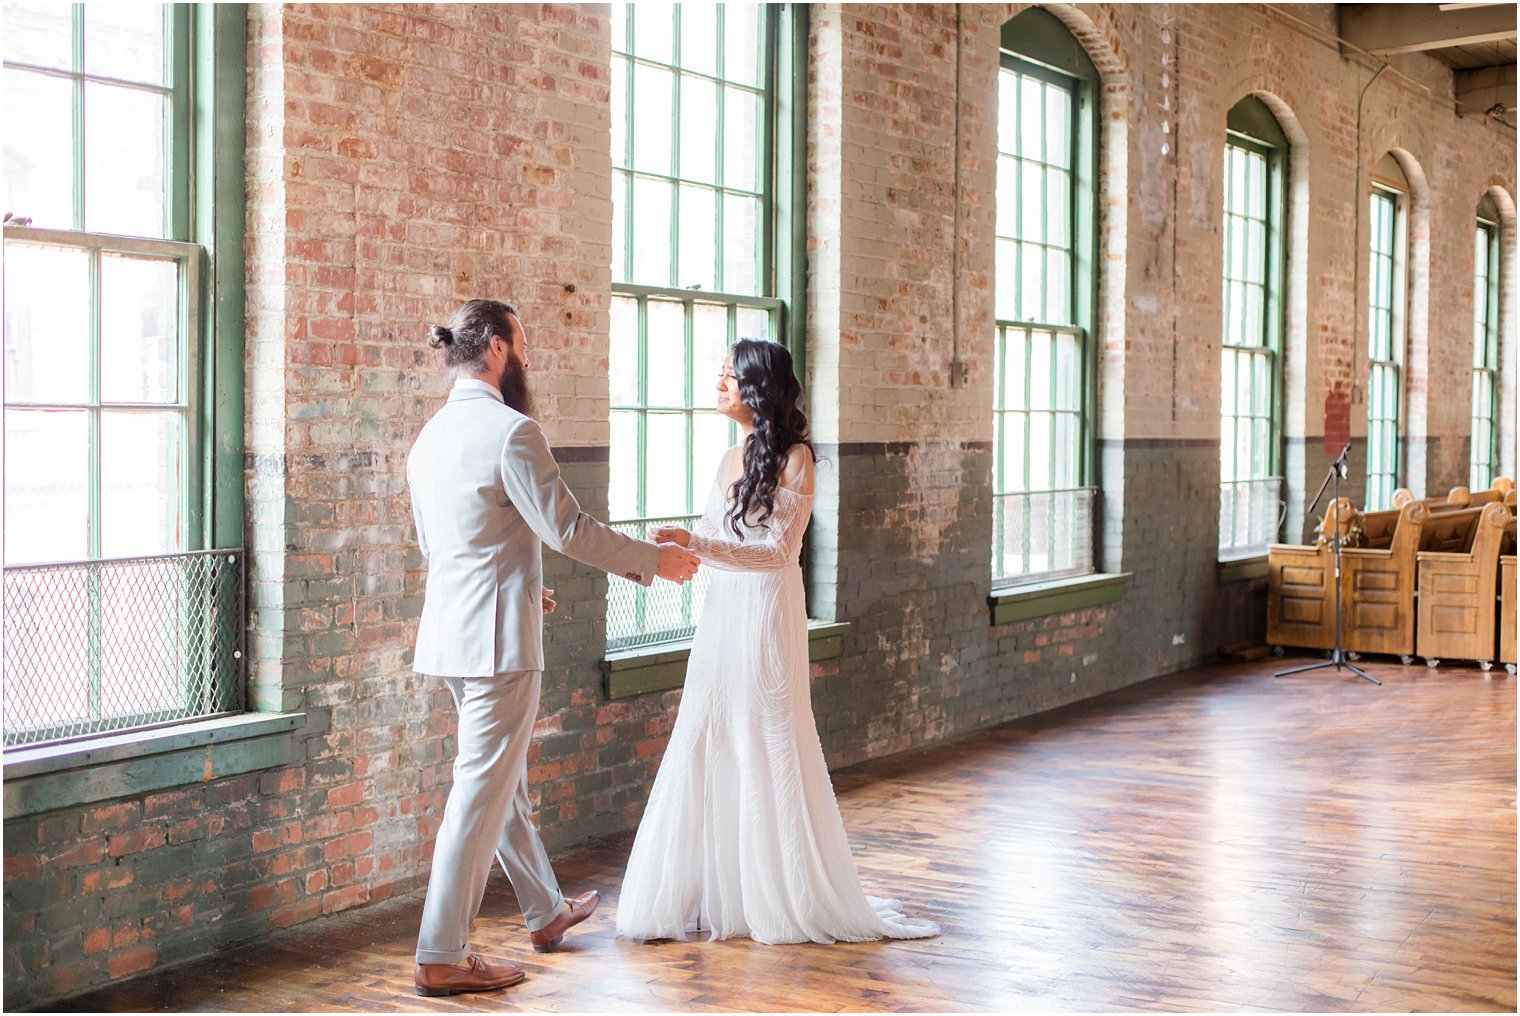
x=548 y=938
x=475 y=974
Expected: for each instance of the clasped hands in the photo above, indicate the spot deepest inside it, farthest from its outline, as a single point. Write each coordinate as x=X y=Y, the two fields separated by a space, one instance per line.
x=677 y=564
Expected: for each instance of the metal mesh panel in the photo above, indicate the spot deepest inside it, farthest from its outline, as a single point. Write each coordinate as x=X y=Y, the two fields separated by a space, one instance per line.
x=1249 y=511
x=103 y=646
x=663 y=612
x=1043 y=535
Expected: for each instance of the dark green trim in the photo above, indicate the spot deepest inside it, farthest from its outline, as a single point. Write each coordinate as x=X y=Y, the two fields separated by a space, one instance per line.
x=1240 y=569
x=57 y=776
x=220 y=60
x=1036 y=34
x=1058 y=597
x=663 y=667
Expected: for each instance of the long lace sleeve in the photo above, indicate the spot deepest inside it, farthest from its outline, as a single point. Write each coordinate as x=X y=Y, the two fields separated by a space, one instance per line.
x=770 y=546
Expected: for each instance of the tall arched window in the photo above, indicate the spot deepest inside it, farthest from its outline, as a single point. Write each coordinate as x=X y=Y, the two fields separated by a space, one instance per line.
x=1386 y=285
x=1485 y=370
x=1043 y=470
x=1250 y=456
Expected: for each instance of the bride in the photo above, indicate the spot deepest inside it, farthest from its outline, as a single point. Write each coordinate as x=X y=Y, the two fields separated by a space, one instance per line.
x=742 y=835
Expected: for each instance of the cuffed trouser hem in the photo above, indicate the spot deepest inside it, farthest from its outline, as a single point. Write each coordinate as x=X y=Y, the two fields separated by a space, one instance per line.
x=540 y=923
x=438 y=956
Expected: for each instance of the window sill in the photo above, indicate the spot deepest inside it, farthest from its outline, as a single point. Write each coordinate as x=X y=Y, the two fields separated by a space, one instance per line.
x=1239 y=569
x=1023 y=603
x=662 y=667
x=54 y=776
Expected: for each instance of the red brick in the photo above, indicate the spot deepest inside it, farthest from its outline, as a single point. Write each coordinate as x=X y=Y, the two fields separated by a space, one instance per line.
x=131 y=961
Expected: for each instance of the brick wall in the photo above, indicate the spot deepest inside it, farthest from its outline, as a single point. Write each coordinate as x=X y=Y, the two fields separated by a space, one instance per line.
x=403 y=158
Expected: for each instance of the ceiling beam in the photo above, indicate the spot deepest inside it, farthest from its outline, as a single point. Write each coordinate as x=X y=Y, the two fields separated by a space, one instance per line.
x=1384 y=29
x=1486 y=87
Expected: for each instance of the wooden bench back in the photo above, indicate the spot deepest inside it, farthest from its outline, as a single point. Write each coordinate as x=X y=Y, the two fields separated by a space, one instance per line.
x=1452 y=532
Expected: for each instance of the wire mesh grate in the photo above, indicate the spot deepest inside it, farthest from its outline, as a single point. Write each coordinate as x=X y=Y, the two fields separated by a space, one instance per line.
x=664 y=612
x=98 y=647
x=1046 y=534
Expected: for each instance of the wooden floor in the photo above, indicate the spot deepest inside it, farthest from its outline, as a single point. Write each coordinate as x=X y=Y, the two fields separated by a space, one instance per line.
x=1214 y=840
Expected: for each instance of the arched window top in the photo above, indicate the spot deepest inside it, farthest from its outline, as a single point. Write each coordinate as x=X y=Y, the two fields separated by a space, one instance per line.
x=1390 y=174
x=1039 y=36
x=1488 y=210
x=1251 y=118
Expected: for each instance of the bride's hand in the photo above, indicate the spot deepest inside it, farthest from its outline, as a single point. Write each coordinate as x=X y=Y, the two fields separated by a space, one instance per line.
x=670 y=534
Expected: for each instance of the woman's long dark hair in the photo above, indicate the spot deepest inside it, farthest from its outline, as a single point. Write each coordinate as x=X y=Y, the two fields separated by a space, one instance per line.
x=770 y=390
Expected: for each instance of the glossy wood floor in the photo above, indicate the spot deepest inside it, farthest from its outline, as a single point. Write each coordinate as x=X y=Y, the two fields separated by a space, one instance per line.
x=1214 y=840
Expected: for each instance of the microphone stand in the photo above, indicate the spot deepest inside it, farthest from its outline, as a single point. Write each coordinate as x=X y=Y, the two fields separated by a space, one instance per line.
x=1337 y=659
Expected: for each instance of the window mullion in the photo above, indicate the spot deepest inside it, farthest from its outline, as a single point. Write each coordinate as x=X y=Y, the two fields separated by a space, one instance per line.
x=78 y=115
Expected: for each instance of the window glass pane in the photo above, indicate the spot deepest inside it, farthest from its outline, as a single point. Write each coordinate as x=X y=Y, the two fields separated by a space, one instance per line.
x=1005 y=267
x=741 y=243
x=623 y=479
x=1068 y=373
x=47 y=324
x=620 y=28
x=620 y=104
x=1032 y=283
x=1039 y=370
x=1067 y=454
x=1007 y=197
x=1227 y=360
x=1031 y=118
x=710 y=439
x=741 y=43
x=651 y=232
x=623 y=352
x=126 y=41
x=699 y=118
x=709 y=330
x=1256 y=252
x=1058 y=208
x=667 y=353
x=699 y=41
x=139 y=484
x=666 y=494
x=698 y=253
x=1016 y=365
x=39 y=117
x=1031 y=203
x=139 y=329
x=741 y=139
x=41 y=34
x=124 y=161
x=1040 y=472
x=653 y=24
x=652 y=87
x=1058 y=282
x=47 y=486
x=1008 y=111
x=1058 y=126
x=1015 y=442
x=753 y=323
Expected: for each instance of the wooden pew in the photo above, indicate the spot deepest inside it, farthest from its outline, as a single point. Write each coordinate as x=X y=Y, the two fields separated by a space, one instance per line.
x=1459 y=497
x=1300 y=584
x=1507 y=599
x=1378 y=585
x=1458 y=589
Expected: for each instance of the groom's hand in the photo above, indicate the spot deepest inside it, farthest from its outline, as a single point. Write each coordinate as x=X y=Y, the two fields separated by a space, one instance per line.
x=676 y=564
x=548 y=597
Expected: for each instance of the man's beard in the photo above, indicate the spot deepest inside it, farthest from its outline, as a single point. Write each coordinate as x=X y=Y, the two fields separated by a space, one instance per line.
x=514 y=387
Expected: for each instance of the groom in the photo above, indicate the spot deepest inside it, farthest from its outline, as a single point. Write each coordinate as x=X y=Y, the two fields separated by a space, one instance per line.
x=486 y=492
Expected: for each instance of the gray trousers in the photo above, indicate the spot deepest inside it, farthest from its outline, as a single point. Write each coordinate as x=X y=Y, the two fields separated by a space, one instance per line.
x=488 y=812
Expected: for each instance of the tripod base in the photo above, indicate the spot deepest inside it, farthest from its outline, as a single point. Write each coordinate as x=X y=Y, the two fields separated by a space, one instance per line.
x=1338 y=661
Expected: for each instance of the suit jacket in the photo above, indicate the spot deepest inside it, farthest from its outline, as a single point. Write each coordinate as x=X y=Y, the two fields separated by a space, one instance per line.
x=486 y=495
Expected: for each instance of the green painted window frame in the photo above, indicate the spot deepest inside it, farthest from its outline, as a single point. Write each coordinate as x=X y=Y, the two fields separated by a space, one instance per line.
x=1385 y=342
x=1036 y=47
x=1485 y=372
x=205 y=167
x=639 y=617
x=1251 y=343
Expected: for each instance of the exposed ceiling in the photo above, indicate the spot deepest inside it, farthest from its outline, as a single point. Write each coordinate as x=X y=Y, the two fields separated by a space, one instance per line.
x=1477 y=41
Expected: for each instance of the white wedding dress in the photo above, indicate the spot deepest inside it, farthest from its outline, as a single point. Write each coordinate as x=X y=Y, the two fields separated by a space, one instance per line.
x=742 y=835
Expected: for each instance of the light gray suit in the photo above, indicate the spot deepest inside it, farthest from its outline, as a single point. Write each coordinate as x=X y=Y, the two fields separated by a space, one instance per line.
x=486 y=494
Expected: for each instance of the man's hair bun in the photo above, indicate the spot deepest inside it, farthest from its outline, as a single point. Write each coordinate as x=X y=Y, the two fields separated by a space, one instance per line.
x=441 y=336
